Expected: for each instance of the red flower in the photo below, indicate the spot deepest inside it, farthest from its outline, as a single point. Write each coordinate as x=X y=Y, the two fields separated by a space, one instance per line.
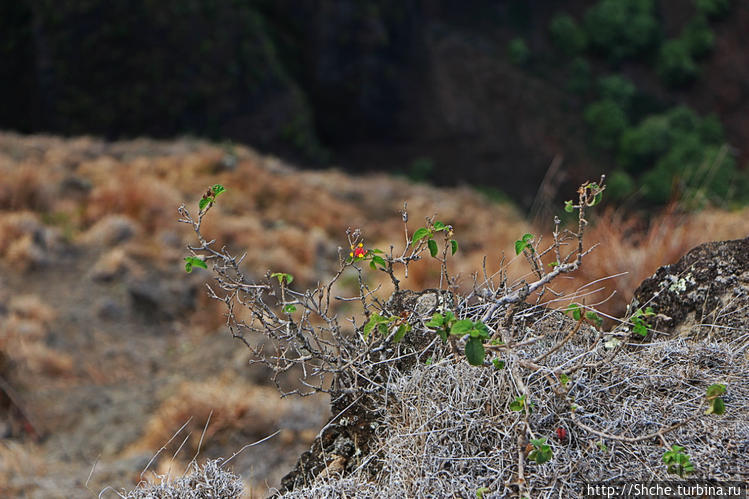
x=561 y=433
x=358 y=251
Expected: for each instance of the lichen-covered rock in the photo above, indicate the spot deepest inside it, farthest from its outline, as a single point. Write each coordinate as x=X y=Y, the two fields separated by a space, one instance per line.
x=705 y=293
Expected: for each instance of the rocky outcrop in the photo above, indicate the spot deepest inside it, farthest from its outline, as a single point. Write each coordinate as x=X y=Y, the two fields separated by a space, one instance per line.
x=705 y=293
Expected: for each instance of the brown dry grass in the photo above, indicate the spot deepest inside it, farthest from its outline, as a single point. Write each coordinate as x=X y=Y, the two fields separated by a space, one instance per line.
x=637 y=248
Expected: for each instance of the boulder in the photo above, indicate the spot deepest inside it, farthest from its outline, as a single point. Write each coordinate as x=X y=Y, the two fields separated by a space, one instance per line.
x=705 y=293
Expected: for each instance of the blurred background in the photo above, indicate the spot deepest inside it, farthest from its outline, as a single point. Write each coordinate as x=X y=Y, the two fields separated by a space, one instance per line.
x=316 y=116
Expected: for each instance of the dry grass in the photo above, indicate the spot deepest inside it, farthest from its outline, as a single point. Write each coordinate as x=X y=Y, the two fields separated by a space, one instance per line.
x=636 y=248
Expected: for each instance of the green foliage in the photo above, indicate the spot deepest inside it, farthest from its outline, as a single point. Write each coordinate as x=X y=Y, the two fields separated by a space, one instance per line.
x=678 y=153
x=675 y=66
x=607 y=120
x=620 y=184
x=713 y=395
x=523 y=243
x=541 y=452
x=618 y=89
x=578 y=76
x=677 y=461
x=386 y=325
x=477 y=332
x=518 y=52
x=577 y=312
x=192 y=261
x=699 y=37
x=420 y=169
x=520 y=404
x=481 y=491
x=567 y=35
x=639 y=325
x=713 y=8
x=210 y=196
x=621 y=28
x=430 y=232
x=282 y=278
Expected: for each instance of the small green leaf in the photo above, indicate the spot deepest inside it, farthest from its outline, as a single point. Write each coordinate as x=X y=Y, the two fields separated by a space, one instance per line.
x=443 y=335
x=204 y=202
x=717 y=407
x=401 y=332
x=379 y=261
x=498 y=364
x=289 y=309
x=281 y=276
x=461 y=327
x=439 y=226
x=382 y=327
x=432 y=247
x=374 y=319
x=481 y=491
x=594 y=318
x=715 y=390
x=454 y=246
x=519 y=247
x=218 y=189
x=192 y=261
x=575 y=309
x=482 y=329
x=564 y=379
x=649 y=311
x=449 y=316
x=437 y=320
x=518 y=404
x=377 y=251
x=640 y=329
x=419 y=235
x=527 y=238
x=554 y=264
x=429 y=361
x=475 y=352
x=568 y=207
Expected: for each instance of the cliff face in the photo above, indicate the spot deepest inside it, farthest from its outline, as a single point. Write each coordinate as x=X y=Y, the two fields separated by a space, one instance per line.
x=417 y=86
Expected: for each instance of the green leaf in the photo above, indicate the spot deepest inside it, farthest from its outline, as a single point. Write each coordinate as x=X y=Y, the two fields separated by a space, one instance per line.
x=575 y=309
x=475 y=352
x=439 y=226
x=192 y=261
x=449 y=316
x=429 y=361
x=289 y=309
x=401 y=332
x=432 y=247
x=481 y=491
x=649 y=311
x=518 y=404
x=461 y=327
x=564 y=379
x=715 y=390
x=217 y=189
x=372 y=265
x=437 y=320
x=498 y=364
x=640 y=329
x=594 y=318
x=519 y=246
x=374 y=319
x=377 y=251
x=382 y=327
x=718 y=407
x=568 y=207
x=379 y=261
x=419 y=235
x=527 y=238
x=443 y=335
x=482 y=329
x=204 y=202
x=454 y=246
x=281 y=276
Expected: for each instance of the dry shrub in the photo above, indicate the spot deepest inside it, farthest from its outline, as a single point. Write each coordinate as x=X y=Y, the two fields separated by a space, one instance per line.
x=239 y=412
x=21 y=465
x=22 y=336
x=637 y=249
x=150 y=202
x=26 y=187
x=24 y=241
